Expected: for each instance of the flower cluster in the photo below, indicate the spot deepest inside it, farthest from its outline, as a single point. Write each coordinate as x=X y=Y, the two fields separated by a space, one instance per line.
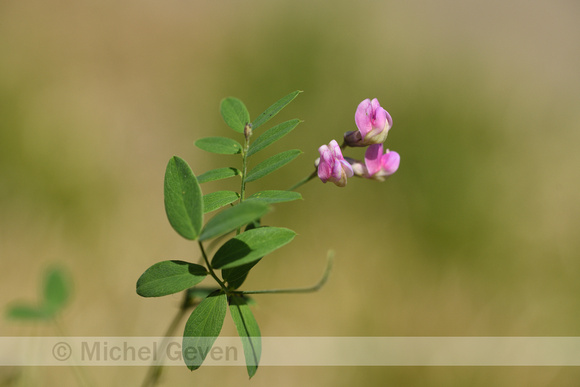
x=373 y=123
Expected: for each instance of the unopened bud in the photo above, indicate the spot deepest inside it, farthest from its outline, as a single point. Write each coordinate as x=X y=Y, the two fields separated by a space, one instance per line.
x=248 y=131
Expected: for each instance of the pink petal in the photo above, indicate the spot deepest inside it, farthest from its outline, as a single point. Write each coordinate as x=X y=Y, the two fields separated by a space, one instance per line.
x=363 y=117
x=324 y=166
x=323 y=171
x=373 y=158
x=332 y=166
x=380 y=118
x=335 y=149
x=347 y=168
x=336 y=171
x=390 y=162
x=389 y=121
x=325 y=153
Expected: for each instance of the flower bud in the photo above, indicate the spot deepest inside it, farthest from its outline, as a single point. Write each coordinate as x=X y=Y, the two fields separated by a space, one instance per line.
x=248 y=131
x=359 y=169
x=332 y=165
x=373 y=123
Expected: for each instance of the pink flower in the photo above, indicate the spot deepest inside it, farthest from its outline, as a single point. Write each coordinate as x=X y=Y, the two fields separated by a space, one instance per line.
x=332 y=166
x=373 y=123
x=380 y=166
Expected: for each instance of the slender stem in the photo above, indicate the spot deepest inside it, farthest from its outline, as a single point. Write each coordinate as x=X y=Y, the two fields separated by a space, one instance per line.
x=247 y=135
x=213 y=274
x=154 y=372
x=320 y=284
x=304 y=181
x=244 y=172
x=79 y=373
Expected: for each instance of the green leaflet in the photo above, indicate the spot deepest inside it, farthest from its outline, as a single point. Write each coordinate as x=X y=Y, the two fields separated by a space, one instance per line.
x=218 y=174
x=21 y=311
x=202 y=329
x=169 y=277
x=249 y=332
x=236 y=276
x=55 y=295
x=183 y=199
x=275 y=196
x=234 y=113
x=251 y=245
x=221 y=145
x=270 y=165
x=274 y=109
x=233 y=218
x=215 y=200
x=56 y=289
x=272 y=135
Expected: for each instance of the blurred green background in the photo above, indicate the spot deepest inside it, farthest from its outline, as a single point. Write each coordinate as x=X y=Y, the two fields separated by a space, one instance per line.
x=476 y=234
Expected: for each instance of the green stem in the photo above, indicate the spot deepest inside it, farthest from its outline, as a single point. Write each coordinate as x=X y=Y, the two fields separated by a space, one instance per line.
x=247 y=134
x=244 y=172
x=80 y=375
x=154 y=372
x=320 y=284
x=304 y=181
x=213 y=274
